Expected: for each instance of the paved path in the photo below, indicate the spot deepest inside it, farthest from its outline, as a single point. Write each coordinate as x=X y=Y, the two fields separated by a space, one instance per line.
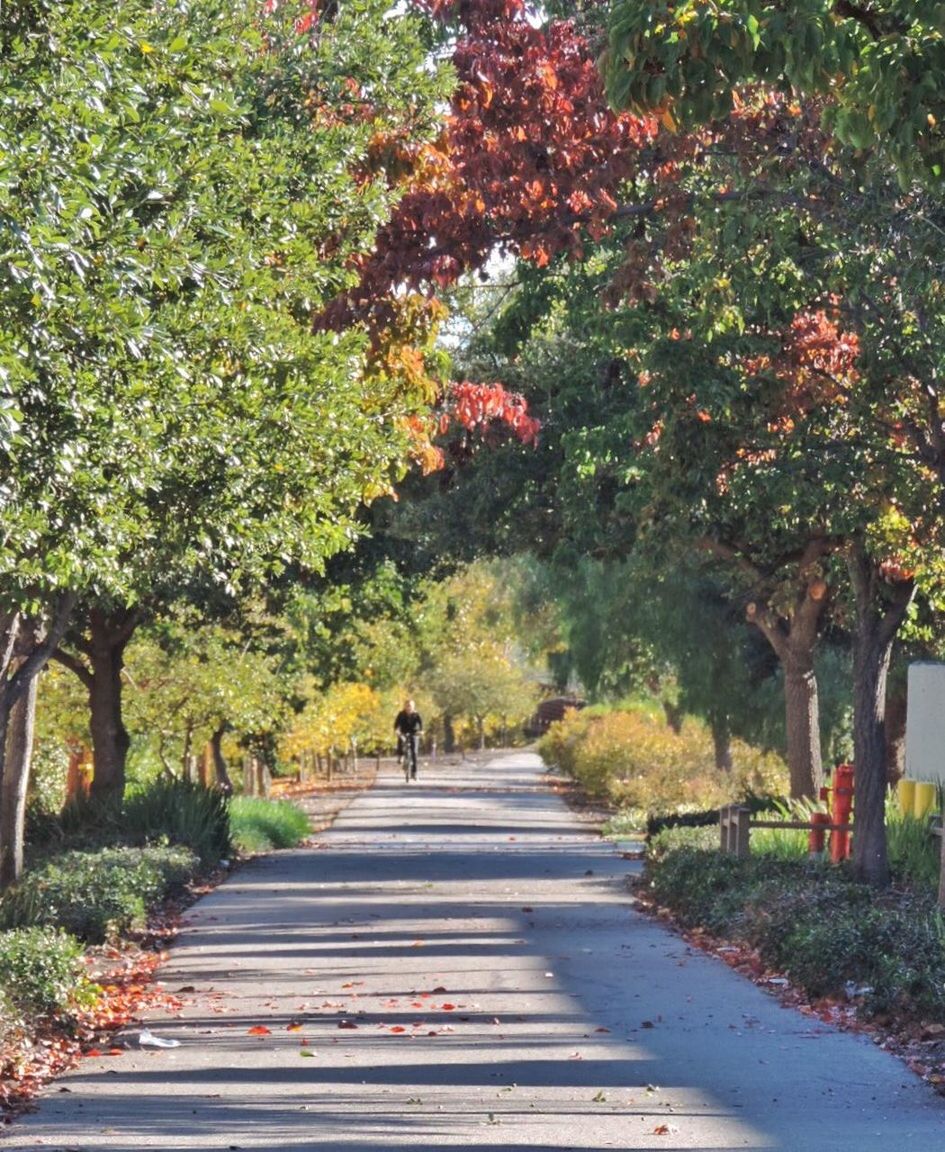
x=469 y=973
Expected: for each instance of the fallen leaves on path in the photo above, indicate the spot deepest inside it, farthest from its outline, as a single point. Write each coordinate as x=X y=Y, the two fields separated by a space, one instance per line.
x=125 y=976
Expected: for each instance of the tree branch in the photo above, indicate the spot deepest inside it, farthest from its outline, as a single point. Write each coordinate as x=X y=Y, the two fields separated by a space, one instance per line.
x=9 y=646
x=732 y=556
x=74 y=664
x=44 y=647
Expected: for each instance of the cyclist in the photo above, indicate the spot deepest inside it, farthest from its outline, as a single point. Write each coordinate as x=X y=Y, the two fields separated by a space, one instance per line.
x=408 y=727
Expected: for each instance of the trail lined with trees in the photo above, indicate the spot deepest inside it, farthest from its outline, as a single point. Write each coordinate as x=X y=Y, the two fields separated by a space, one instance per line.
x=459 y=965
x=485 y=354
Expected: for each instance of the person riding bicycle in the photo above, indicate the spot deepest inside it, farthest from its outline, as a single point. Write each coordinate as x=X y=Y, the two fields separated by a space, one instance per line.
x=408 y=727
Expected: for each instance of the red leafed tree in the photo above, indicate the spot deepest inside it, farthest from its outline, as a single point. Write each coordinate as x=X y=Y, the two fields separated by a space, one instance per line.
x=529 y=157
x=529 y=160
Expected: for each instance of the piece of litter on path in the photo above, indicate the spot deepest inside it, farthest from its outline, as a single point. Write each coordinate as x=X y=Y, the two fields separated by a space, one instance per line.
x=147 y=1039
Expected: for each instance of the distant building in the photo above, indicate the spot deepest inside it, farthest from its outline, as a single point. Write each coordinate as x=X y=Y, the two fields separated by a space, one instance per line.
x=548 y=711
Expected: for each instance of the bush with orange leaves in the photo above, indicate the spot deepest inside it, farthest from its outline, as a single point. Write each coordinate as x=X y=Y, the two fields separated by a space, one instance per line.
x=631 y=759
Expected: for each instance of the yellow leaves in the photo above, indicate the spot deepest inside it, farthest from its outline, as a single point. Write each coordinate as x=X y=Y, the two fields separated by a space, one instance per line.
x=331 y=719
x=667 y=120
x=632 y=757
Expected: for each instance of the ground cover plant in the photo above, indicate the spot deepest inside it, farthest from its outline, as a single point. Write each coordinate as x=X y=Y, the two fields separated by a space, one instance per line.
x=832 y=936
x=101 y=895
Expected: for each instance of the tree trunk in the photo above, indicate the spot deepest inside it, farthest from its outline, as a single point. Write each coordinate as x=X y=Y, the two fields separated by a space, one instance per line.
x=722 y=743
x=870 y=666
x=794 y=640
x=11 y=844
x=880 y=610
x=802 y=725
x=110 y=740
x=108 y=639
x=674 y=716
x=449 y=734
x=187 y=754
x=224 y=781
x=101 y=644
x=16 y=774
x=25 y=650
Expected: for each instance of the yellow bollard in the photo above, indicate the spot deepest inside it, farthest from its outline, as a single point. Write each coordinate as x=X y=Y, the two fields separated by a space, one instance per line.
x=905 y=792
x=925 y=797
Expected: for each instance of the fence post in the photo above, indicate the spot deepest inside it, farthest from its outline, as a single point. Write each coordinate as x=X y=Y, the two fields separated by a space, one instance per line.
x=742 y=820
x=723 y=828
x=941 y=875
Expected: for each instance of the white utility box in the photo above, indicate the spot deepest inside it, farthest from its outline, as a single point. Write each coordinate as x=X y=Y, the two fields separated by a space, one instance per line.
x=925 y=722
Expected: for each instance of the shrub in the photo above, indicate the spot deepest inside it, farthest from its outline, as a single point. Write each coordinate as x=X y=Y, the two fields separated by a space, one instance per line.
x=703 y=888
x=632 y=758
x=814 y=923
x=673 y=838
x=914 y=853
x=98 y=895
x=183 y=813
x=258 y=825
x=41 y=972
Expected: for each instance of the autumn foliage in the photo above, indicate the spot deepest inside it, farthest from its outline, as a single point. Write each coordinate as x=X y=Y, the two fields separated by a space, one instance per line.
x=529 y=157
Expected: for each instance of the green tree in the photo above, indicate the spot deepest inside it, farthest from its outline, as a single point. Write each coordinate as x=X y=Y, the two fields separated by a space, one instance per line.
x=880 y=65
x=170 y=274
x=182 y=190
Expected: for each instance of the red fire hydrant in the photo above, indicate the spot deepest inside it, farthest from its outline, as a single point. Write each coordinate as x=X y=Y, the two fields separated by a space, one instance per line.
x=841 y=842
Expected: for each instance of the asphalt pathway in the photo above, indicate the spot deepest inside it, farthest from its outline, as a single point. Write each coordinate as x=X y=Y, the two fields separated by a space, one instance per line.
x=458 y=965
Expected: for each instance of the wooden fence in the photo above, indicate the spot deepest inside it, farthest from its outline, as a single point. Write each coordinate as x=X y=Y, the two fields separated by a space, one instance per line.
x=736 y=823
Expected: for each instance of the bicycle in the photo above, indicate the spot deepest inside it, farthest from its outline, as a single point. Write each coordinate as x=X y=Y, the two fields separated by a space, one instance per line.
x=408 y=752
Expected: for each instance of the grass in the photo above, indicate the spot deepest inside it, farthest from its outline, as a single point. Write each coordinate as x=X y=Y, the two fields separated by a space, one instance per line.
x=260 y=825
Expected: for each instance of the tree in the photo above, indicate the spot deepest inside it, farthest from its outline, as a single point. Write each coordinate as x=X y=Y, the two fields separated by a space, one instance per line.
x=188 y=687
x=169 y=277
x=879 y=63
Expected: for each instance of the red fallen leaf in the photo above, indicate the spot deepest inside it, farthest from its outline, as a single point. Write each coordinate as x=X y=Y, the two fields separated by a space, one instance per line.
x=418 y=944
x=416 y=1004
x=601 y=1029
x=661 y=1130
x=448 y=1007
x=303 y=1043
x=115 y=1052
x=92 y=1052
x=293 y=1027
x=433 y=1033
x=398 y=1028
x=258 y=1030
x=527 y=908
x=353 y=984
x=346 y=1024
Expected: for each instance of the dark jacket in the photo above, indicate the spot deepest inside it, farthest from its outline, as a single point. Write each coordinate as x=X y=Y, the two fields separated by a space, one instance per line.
x=408 y=723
